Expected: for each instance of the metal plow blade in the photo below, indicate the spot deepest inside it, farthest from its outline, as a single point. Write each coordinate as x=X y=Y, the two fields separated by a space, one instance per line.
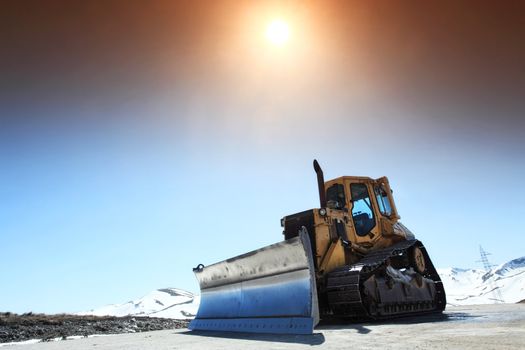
x=270 y=290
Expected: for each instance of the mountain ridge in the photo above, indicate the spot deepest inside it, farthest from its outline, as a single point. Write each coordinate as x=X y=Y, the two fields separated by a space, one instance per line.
x=463 y=287
x=163 y=303
x=477 y=286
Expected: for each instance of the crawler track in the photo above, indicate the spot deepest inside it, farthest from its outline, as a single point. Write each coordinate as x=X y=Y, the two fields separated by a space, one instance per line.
x=350 y=295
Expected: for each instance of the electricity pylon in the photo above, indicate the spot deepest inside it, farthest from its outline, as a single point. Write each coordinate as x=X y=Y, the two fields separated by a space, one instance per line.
x=496 y=292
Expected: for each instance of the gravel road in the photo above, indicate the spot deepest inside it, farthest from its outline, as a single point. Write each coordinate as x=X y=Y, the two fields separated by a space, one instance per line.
x=469 y=327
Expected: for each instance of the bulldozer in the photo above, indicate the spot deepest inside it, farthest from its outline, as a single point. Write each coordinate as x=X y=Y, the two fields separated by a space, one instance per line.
x=349 y=259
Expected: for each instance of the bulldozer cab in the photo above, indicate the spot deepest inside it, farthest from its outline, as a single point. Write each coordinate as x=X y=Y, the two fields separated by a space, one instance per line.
x=366 y=205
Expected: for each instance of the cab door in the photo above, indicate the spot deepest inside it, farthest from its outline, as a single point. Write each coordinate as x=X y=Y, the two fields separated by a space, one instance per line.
x=363 y=213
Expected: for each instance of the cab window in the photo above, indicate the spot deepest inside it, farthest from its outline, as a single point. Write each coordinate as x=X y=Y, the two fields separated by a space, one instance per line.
x=335 y=196
x=382 y=200
x=362 y=213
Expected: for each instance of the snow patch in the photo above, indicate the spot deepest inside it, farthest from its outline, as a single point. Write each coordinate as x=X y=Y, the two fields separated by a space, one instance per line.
x=30 y=341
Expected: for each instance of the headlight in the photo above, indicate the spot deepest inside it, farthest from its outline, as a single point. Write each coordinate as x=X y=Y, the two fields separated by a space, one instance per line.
x=282 y=222
x=322 y=211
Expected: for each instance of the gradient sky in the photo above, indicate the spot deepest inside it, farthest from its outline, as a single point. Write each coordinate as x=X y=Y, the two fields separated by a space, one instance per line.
x=141 y=138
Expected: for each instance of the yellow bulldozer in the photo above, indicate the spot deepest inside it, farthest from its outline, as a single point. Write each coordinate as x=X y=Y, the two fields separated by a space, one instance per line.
x=351 y=258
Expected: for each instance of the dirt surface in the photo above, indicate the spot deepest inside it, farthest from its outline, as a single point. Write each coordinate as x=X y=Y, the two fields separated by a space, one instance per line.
x=473 y=327
x=16 y=328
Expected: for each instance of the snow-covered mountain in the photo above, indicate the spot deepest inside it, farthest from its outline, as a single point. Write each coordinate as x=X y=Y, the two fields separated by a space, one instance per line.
x=463 y=287
x=472 y=286
x=165 y=303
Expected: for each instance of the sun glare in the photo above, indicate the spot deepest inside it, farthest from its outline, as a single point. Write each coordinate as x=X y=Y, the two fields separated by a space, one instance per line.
x=278 y=32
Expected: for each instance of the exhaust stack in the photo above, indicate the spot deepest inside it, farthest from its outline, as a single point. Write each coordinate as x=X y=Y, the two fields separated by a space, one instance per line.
x=320 y=184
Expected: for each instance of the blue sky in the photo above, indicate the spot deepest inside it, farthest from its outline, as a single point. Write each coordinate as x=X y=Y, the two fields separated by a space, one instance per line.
x=125 y=164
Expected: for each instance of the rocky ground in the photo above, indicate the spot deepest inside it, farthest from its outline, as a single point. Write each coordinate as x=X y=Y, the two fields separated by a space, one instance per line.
x=15 y=328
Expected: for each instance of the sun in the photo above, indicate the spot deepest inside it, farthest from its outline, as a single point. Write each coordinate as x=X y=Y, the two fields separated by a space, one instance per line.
x=278 y=32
